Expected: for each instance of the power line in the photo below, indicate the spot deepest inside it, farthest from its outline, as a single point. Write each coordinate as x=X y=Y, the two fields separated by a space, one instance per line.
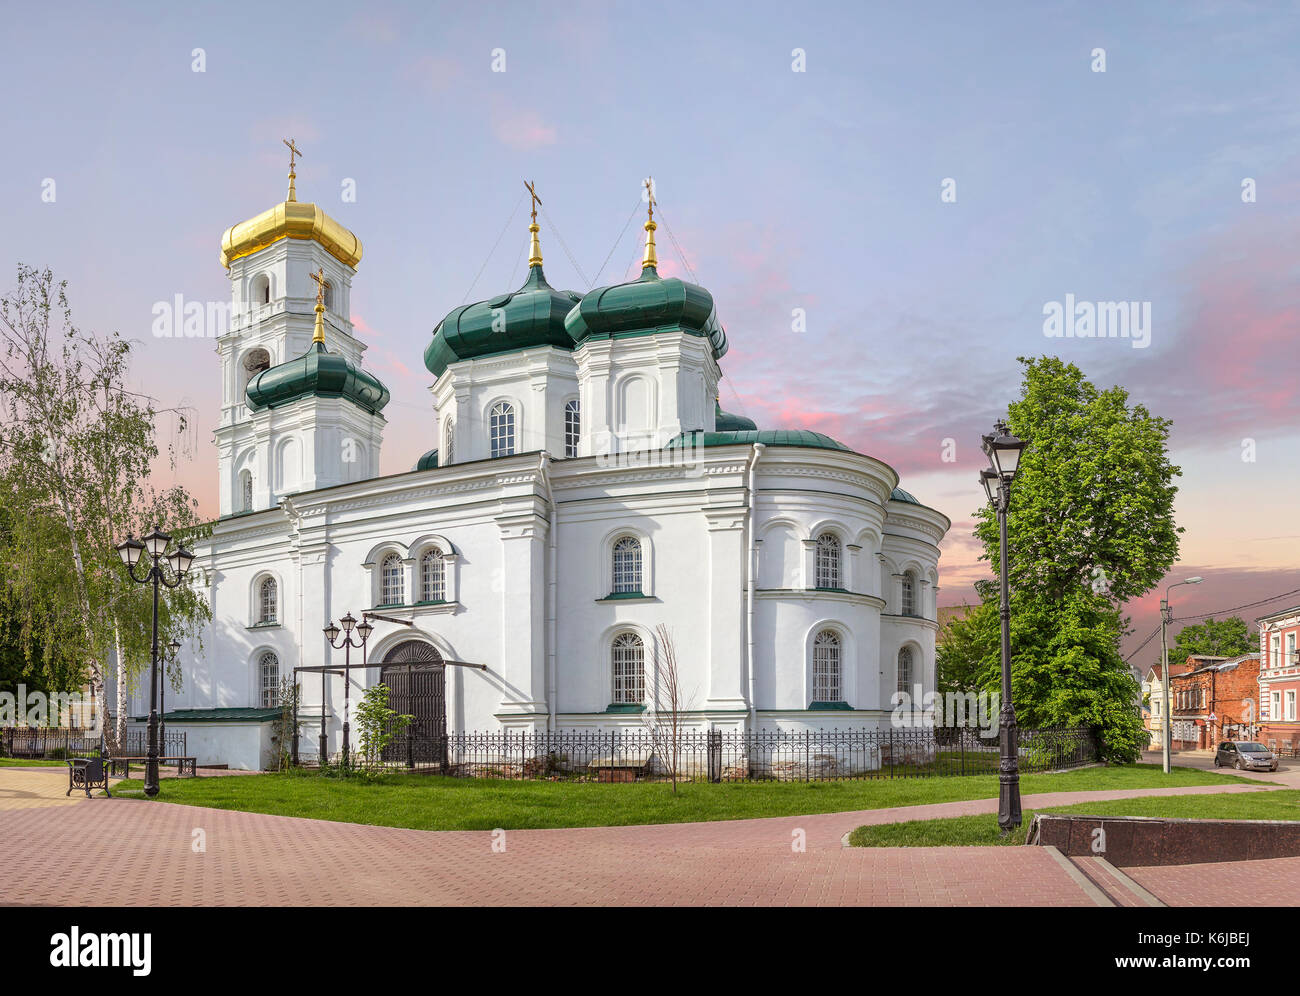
x=1206 y=615
x=493 y=250
x=563 y=245
x=673 y=239
x=635 y=208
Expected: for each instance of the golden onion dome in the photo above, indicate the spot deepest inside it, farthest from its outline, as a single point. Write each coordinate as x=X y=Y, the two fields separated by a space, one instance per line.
x=291 y=219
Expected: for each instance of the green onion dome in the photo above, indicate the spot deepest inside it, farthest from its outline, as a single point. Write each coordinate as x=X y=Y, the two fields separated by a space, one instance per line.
x=427 y=462
x=531 y=316
x=317 y=372
x=727 y=422
x=649 y=304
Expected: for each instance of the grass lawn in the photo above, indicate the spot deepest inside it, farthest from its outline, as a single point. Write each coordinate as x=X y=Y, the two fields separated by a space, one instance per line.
x=23 y=762
x=426 y=802
x=1282 y=804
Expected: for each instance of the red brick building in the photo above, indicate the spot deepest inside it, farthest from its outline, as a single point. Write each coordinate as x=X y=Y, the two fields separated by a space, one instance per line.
x=1216 y=699
x=1279 y=678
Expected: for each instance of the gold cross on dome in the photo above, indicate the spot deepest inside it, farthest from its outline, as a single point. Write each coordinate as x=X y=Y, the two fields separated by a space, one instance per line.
x=536 y=200
x=321 y=284
x=293 y=152
x=650 y=195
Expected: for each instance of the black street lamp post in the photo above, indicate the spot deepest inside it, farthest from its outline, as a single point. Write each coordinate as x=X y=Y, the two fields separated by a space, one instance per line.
x=179 y=560
x=1003 y=451
x=174 y=649
x=332 y=634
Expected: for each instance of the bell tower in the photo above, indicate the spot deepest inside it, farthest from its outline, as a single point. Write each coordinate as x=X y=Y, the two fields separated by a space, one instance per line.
x=271 y=260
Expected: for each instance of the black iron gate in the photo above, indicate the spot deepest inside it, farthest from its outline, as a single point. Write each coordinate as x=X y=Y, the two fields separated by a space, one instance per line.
x=417 y=681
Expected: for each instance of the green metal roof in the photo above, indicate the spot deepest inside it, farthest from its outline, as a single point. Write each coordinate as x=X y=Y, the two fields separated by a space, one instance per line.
x=427 y=462
x=317 y=372
x=898 y=494
x=727 y=422
x=646 y=305
x=224 y=715
x=768 y=437
x=531 y=316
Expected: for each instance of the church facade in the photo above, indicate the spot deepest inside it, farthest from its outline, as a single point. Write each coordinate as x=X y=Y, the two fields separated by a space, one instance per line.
x=584 y=511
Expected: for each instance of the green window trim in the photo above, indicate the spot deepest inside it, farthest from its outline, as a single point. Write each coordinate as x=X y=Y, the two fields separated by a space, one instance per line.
x=829 y=707
x=627 y=596
x=431 y=601
x=390 y=605
x=265 y=625
x=624 y=708
x=838 y=591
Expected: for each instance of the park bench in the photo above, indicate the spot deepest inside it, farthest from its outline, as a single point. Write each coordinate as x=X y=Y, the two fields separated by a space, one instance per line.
x=120 y=767
x=87 y=773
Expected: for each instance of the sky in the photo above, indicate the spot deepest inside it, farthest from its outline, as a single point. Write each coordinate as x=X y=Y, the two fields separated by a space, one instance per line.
x=917 y=181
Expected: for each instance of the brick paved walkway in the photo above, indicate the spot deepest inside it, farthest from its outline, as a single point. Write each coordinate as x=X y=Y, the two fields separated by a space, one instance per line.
x=84 y=852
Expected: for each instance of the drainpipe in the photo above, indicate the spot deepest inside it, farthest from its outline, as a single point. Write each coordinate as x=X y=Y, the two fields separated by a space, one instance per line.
x=552 y=588
x=750 y=582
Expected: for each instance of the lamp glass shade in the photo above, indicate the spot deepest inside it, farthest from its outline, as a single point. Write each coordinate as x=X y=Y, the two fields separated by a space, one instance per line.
x=364 y=630
x=990 y=481
x=174 y=647
x=1004 y=449
x=180 y=561
x=332 y=632
x=156 y=542
x=130 y=551
x=348 y=623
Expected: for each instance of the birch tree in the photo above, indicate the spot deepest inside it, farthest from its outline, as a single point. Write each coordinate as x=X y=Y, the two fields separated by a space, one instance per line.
x=77 y=447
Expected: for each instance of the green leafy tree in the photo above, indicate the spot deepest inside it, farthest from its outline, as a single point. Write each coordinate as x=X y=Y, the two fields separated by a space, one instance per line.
x=1229 y=637
x=76 y=450
x=1091 y=526
x=377 y=724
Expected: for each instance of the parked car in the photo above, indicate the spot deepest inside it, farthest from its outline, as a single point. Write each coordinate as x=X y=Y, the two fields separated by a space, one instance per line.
x=1245 y=755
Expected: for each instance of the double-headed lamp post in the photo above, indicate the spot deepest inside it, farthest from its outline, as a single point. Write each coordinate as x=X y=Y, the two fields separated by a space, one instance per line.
x=1004 y=450
x=1166 y=617
x=179 y=560
x=332 y=634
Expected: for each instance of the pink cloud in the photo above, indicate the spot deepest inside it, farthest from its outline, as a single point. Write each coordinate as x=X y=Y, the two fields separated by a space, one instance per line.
x=523 y=131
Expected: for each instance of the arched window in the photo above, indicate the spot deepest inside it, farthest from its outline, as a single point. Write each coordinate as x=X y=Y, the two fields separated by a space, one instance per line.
x=628 y=666
x=828 y=561
x=905 y=670
x=390 y=581
x=572 y=428
x=261 y=289
x=246 y=491
x=826 y=686
x=909 y=594
x=627 y=566
x=267 y=596
x=433 y=576
x=268 y=667
x=449 y=449
x=255 y=361
x=501 y=429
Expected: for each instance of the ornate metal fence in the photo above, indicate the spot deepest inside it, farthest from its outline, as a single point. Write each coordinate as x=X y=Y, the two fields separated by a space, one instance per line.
x=57 y=742
x=720 y=755
x=46 y=742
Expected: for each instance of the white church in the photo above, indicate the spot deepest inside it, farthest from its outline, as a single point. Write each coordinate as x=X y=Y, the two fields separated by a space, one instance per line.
x=582 y=489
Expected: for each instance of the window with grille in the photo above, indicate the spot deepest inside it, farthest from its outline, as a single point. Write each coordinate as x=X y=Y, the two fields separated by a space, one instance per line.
x=628 y=661
x=572 y=428
x=828 y=561
x=449 y=450
x=826 y=685
x=269 y=666
x=909 y=594
x=266 y=601
x=501 y=429
x=433 y=576
x=391 y=587
x=905 y=669
x=627 y=566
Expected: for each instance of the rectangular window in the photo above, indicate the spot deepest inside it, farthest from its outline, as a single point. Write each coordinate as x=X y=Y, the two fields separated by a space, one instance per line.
x=1290 y=705
x=1275 y=712
x=1290 y=650
x=1275 y=651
